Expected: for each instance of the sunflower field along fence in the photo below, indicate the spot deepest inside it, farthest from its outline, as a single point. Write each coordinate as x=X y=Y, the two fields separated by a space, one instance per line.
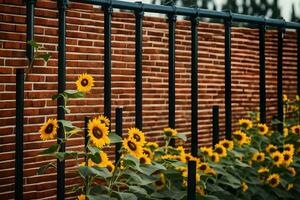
x=49 y=9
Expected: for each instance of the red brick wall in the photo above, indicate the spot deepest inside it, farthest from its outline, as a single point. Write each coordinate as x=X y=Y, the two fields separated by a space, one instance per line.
x=85 y=54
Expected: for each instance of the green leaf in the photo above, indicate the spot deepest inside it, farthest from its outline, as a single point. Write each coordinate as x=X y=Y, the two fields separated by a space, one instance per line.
x=73 y=94
x=99 y=197
x=44 y=168
x=56 y=96
x=130 y=160
x=33 y=44
x=67 y=110
x=276 y=121
x=65 y=155
x=45 y=56
x=182 y=136
x=114 y=138
x=125 y=195
x=85 y=171
x=93 y=150
x=138 y=179
x=52 y=149
x=210 y=197
x=138 y=190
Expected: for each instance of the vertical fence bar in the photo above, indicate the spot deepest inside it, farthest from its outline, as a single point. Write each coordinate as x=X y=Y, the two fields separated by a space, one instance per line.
x=262 y=74
x=191 y=193
x=30 y=4
x=194 y=76
x=19 y=134
x=280 y=32
x=107 y=58
x=138 y=67
x=227 y=24
x=62 y=6
x=298 y=61
x=172 y=25
x=215 y=125
x=119 y=127
x=86 y=140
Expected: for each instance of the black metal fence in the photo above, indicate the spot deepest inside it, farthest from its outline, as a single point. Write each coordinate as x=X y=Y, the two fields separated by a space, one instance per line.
x=172 y=11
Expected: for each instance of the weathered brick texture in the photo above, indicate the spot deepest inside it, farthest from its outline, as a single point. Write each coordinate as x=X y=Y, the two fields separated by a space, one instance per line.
x=85 y=54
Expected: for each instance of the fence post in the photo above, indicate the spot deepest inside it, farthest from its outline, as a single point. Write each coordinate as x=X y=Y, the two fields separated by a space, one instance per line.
x=139 y=14
x=107 y=8
x=215 y=125
x=194 y=77
x=227 y=24
x=298 y=61
x=262 y=74
x=280 y=33
x=62 y=6
x=191 y=193
x=19 y=134
x=30 y=4
x=119 y=127
x=172 y=25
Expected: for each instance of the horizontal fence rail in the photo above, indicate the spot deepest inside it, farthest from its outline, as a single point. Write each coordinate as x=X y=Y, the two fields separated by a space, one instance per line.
x=171 y=11
x=191 y=12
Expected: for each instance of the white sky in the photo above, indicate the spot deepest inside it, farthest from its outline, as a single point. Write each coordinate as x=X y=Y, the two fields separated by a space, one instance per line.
x=285 y=5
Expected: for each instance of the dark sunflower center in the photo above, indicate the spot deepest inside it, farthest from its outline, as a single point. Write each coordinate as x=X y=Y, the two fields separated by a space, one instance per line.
x=99 y=160
x=276 y=158
x=84 y=82
x=261 y=129
x=203 y=167
x=213 y=157
x=272 y=150
x=147 y=153
x=245 y=124
x=187 y=158
x=259 y=157
x=97 y=133
x=49 y=128
x=287 y=149
x=297 y=130
x=219 y=150
x=137 y=137
x=238 y=137
x=273 y=181
x=226 y=145
x=109 y=168
x=159 y=183
x=142 y=160
x=286 y=157
x=132 y=146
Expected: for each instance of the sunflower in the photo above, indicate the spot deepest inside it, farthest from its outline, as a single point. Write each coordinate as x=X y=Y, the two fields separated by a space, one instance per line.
x=48 y=130
x=206 y=150
x=215 y=157
x=292 y=171
x=246 y=123
x=148 y=152
x=160 y=184
x=170 y=132
x=263 y=170
x=262 y=129
x=273 y=180
x=285 y=98
x=285 y=132
x=220 y=150
x=290 y=186
x=102 y=160
x=170 y=157
x=240 y=137
x=81 y=197
x=244 y=186
x=277 y=158
x=295 y=129
x=186 y=157
x=258 y=156
x=180 y=149
x=289 y=148
x=137 y=135
x=152 y=144
x=134 y=148
x=200 y=190
x=271 y=148
x=98 y=133
x=211 y=172
x=287 y=158
x=185 y=175
x=84 y=83
x=204 y=167
x=144 y=159
x=227 y=144
x=103 y=120
x=110 y=166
